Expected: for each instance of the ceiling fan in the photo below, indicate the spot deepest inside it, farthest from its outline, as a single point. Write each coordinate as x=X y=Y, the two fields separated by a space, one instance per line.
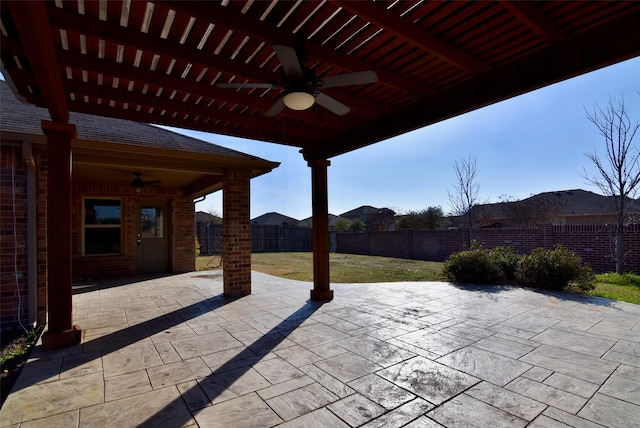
x=138 y=183
x=301 y=85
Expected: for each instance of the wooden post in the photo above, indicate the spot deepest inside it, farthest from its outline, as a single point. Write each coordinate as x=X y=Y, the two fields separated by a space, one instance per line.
x=320 y=222
x=60 y=331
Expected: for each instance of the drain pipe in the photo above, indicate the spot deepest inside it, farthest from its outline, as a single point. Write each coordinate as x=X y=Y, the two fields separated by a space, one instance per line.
x=32 y=271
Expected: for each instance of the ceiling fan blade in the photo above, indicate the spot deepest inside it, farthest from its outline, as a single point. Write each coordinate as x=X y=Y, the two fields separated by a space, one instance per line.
x=246 y=85
x=289 y=61
x=276 y=108
x=332 y=104
x=358 y=78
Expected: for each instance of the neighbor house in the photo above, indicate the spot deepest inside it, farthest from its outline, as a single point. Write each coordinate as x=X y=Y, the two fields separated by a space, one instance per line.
x=308 y=222
x=373 y=218
x=565 y=207
x=275 y=219
x=132 y=200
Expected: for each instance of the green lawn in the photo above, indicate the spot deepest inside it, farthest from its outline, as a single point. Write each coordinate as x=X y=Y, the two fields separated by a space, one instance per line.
x=625 y=287
x=350 y=268
x=345 y=268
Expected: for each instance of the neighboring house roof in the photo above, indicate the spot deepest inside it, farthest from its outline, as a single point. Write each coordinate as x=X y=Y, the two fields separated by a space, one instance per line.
x=274 y=219
x=123 y=145
x=365 y=210
x=26 y=118
x=562 y=203
x=578 y=201
x=203 y=217
x=307 y=222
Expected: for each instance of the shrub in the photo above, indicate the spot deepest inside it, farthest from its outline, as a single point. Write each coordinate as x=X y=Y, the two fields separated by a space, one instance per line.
x=556 y=269
x=476 y=265
x=506 y=260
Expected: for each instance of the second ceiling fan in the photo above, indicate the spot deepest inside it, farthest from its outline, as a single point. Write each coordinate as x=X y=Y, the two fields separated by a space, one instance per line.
x=301 y=85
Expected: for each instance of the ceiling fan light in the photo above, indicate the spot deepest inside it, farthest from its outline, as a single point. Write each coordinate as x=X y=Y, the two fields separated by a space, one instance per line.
x=299 y=100
x=137 y=183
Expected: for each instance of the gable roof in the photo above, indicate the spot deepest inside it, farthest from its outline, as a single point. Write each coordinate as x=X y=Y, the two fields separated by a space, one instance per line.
x=578 y=201
x=274 y=219
x=366 y=210
x=203 y=217
x=21 y=118
x=113 y=149
x=307 y=222
x=559 y=203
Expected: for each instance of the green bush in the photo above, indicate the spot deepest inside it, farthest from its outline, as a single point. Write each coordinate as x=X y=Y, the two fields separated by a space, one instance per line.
x=556 y=269
x=506 y=260
x=475 y=265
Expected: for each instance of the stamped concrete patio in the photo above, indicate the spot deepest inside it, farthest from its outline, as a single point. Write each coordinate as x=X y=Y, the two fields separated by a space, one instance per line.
x=172 y=351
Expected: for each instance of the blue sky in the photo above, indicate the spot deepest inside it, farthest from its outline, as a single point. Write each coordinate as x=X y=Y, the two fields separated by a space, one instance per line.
x=526 y=145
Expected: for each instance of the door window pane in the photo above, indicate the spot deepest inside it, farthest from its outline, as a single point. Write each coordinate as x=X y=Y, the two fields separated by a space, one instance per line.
x=151 y=222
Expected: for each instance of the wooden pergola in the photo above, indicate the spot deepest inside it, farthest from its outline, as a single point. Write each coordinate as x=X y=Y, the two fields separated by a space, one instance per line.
x=173 y=62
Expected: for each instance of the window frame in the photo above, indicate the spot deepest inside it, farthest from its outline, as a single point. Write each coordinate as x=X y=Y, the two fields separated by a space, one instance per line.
x=100 y=226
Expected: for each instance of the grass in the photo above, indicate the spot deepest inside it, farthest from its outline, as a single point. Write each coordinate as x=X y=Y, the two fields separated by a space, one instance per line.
x=350 y=268
x=625 y=287
x=344 y=268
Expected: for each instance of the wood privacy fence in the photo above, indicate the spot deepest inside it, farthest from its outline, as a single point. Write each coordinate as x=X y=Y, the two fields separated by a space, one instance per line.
x=263 y=238
x=593 y=243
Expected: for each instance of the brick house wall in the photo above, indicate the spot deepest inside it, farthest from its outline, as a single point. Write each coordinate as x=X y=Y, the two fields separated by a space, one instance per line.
x=14 y=269
x=13 y=237
x=14 y=274
x=182 y=226
x=593 y=243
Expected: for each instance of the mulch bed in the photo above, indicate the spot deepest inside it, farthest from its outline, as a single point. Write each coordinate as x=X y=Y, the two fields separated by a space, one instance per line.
x=16 y=348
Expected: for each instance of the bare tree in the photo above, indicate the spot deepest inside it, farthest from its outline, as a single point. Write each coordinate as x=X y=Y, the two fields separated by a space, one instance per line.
x=465 y=191
x=619 y=169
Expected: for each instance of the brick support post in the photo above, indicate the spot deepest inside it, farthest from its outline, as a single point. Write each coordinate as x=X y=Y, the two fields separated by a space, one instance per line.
x=321 y=243
x=60 y=331
x=236 y=233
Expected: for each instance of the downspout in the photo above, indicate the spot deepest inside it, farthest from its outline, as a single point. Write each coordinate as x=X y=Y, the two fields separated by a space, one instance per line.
x=32 y=271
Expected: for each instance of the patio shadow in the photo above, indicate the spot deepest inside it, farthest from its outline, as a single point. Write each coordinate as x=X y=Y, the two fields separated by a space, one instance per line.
x=241 y=363
x=112 y=342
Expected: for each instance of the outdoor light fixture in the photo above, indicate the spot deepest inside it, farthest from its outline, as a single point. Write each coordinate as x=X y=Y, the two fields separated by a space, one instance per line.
x=137 y=185
x=299 y=100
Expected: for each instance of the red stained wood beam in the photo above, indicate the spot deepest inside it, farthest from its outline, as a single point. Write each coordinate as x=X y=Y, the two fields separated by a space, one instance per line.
x=32 y=22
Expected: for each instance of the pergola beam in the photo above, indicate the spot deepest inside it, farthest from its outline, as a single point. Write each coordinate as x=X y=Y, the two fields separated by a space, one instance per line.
x=272 y=35
x=617 y=41
x=377 y=14
x=32 y=22
x=535 y=20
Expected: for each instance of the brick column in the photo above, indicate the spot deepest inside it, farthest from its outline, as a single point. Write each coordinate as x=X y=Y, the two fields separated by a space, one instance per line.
x=236 y=233
x=320 y=210
x=60 y=331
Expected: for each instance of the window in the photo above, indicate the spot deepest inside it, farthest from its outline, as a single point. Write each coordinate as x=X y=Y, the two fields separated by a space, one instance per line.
x=102 y=230
x=151 y=222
